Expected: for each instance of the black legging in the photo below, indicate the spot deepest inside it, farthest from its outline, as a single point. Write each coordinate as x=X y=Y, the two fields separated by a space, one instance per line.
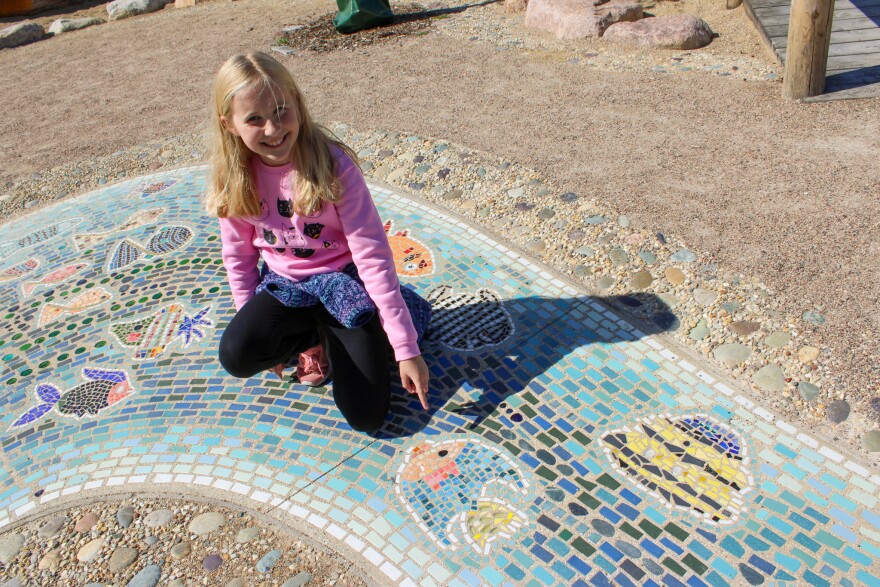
x=265 y=333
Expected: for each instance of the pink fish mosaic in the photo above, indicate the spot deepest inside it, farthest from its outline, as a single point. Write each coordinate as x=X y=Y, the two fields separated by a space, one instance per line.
x=53 y=277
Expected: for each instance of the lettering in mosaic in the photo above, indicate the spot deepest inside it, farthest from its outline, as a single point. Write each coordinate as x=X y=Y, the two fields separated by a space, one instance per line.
x=150 y=336
x=468 y=321
x=462 y=491
x=36 y=237
x=136 y=220
x=692 y=463
x=18 y=270
x=102 y=389
x=165 y=240
x=82 y=303
x=411 y=257
x=52 y=278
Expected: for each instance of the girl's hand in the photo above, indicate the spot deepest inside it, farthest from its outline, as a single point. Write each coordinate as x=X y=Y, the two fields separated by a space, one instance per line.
x=278 y=370
x=414 y=377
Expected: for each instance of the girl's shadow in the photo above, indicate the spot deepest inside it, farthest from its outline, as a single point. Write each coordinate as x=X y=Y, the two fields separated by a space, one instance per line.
x=494 y=348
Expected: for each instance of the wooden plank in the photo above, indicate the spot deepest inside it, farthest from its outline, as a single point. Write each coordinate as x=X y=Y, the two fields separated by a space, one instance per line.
x=841 y=37
x=867 y=91
x=843 y=26
x=845 y=62
x=851 y=50
x=762 y=4
x=747 y=5
x=776 y=16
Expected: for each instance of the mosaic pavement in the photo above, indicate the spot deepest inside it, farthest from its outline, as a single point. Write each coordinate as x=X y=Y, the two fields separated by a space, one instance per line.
x=563 y=447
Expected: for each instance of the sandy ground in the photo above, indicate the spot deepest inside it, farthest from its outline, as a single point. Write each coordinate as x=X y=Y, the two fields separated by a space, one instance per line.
x=788 y=193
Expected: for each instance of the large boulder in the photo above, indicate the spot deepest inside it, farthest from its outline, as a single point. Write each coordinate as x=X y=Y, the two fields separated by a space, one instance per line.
x=567 y=19
x=679 y=31
x=21 y=34
x=579 y=19
x=119 y=9
x=65 y=25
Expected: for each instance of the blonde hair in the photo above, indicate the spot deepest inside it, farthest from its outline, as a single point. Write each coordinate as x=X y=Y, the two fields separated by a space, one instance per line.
x=231 y=190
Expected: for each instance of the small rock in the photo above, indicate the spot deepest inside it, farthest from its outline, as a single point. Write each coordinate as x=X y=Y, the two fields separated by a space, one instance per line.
x=121 y=559
x=151 y=540
x=246 y=535
x=90 y=551
x=516 y=192
x=641 y=279
x=777 y=340
x=838 y=411
x=684 y=255
x=207 y=523
x=125 y=516
x=21 y=34
x=700 y=331
x=536 y=246
x=605 y=282
x=180 y=550
x=65 y=25
x=732 y=354
x=808 y=354
x=265 y=564
x=10 y=546
x=298 y=581
x=618 y=257
x=546 y=213
x=594 y=220
x=667 y=321
x=582 y=271
x=13 y=582
x=814 y=317
x=51 y=528
x=569 y=197
x=648 y=257
x=585 y=251
x=670 y=300
x=235 y=583
x=158 y=518
x=770 y=378
x=705 y=297
x=50 y=560
x=177 y=583
x=871 y=441
x=148 y=577
x=808 y=391
x=452 y=195
x=624 y=221
x=744 y=328
x=674 y=275
x=212 y=562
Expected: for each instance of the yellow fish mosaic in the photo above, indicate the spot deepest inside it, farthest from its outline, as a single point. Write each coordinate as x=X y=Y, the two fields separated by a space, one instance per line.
x=690 y=462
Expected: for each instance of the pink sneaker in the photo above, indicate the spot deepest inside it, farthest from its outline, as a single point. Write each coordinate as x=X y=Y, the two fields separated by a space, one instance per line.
x=313 y=369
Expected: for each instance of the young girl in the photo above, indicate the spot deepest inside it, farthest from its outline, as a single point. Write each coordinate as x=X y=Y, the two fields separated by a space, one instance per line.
x=286 y=192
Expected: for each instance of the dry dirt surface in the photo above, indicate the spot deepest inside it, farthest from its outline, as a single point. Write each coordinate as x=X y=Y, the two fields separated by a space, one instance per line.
x=786 y=192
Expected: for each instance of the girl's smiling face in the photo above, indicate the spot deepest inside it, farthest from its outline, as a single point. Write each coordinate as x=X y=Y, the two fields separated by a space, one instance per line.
x=266 y=120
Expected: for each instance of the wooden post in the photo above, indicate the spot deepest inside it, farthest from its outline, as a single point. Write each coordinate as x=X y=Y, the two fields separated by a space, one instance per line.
x=809 y=34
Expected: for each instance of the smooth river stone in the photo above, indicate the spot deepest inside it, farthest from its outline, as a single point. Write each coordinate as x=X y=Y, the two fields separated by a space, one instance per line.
x=246 y=535
x=125 y=516
x=808 y=391
x=705 y=297
x=536 y=246
x=647 y=256
x=683 y=256
x=148 y=577
x=121 y=559
x=838 y=411
x=90 y=551
x=641 y=280
x=808 y=354
x=235 y=583
x=770 y=378
x=700 y=331
x=674 y=275
x=212 y=562
x=51 y=528
x=605 y=282
x=265 y=564
x=814 y=317
x=670 y=300
x=744 y=328
x=871 y=441
x=298 y=580
x=180 y=550
x=546 y=213
x=207 y=523
x=86 y=523
x=732 y=353
x=158 y=518
x=777 y=340
x=50 y=559
x=10 y=546
x=618 y=257
x=624 y=221
x=586 y=251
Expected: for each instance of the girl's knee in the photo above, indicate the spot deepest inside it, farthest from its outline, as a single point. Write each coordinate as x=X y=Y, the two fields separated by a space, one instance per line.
x=234 y=360
x=368 y=423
